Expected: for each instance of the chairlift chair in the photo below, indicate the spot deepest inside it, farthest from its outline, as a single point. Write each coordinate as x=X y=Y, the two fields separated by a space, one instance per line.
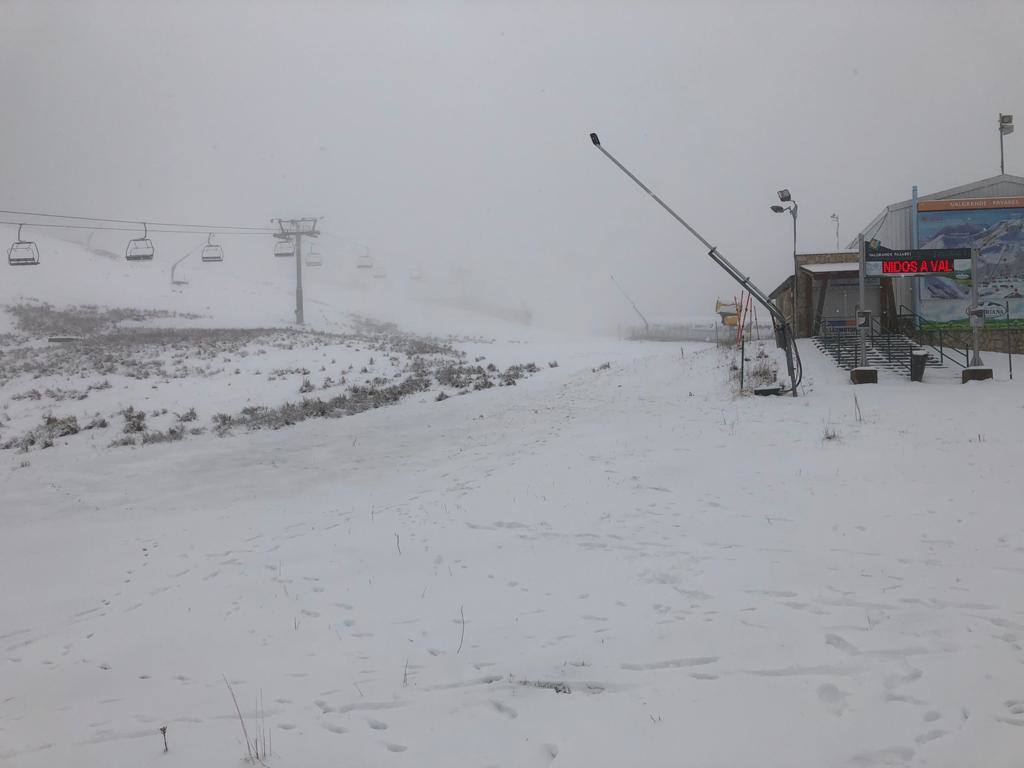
x=284 y=249
x=211 y=251
x=140 y=248
x=379 y=273
x=22 y=253
x=364 y=261
x=314 y=259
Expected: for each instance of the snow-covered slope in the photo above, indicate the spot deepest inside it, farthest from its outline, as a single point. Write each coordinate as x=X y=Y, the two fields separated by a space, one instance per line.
x=250 y=288
x=600 y=566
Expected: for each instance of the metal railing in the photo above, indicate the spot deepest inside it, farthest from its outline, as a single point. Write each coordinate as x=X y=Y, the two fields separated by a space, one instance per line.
x=884 y=340
x=910 y=323
x=877 y=334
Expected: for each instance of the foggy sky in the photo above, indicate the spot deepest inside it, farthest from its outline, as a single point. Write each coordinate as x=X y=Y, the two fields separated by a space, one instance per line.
x=456 y=133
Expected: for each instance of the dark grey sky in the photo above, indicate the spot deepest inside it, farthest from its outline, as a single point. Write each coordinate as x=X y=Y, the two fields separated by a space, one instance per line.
x=448 y=133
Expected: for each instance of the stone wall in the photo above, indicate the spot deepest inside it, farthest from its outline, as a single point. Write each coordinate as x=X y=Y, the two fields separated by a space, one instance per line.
x=993 y=339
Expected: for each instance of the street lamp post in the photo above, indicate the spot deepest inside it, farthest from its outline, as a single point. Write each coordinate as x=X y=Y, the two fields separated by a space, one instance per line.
x=791 y=209
x=1005 y=128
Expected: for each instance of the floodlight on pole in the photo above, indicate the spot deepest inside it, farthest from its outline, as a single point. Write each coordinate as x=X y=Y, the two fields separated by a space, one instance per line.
x=1005 y=129
x=791 y=209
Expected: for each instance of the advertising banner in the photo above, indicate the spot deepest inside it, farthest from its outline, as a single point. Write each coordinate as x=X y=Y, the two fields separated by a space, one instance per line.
x=994 y=225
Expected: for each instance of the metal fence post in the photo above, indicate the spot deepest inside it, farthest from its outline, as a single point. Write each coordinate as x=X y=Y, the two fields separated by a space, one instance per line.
x=1009 y=340
x=743 y=357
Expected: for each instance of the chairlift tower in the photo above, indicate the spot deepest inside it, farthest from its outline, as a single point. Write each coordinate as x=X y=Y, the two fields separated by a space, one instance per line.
x=293 y=230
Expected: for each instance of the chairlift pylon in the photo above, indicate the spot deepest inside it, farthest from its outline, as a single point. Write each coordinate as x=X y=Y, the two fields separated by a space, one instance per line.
x=23 y=253
x=140 y=248
x=212 y=251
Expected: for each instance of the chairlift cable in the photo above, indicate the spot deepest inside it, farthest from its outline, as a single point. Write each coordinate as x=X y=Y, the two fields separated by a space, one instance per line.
x=131 y=229
x=207 y=227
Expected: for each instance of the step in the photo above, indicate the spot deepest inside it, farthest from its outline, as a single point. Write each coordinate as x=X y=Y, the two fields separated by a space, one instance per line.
x=887 y=352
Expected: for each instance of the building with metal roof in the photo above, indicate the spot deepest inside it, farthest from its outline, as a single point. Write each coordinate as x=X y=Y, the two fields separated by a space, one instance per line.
x=894 y=226
x=828 y=289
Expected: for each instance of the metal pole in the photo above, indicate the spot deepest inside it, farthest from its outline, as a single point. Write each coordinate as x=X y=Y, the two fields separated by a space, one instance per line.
x=862 y=257
x=913 y=221
x=785 y=333
x=1009 y=347
x=743 y=357
x=975 y=321
x=1002 y=166
x=647 y=326
x=298 y=279
x=796 y=278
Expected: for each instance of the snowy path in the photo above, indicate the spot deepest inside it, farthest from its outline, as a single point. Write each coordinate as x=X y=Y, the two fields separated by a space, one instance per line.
x=693 y=580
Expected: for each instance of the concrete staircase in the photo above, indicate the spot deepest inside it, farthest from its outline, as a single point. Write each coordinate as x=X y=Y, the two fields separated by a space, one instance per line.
x=890 y=351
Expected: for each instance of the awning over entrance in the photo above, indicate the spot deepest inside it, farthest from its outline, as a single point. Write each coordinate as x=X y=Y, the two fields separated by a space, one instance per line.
x=831 y=269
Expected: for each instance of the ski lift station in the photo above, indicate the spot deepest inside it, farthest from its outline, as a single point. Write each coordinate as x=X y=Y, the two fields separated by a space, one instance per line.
x=909 y=295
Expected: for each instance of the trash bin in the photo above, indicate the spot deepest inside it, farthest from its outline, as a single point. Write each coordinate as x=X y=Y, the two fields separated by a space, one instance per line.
x=918 y=359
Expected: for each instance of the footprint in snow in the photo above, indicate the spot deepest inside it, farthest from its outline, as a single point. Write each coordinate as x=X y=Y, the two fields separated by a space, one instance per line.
x=395 y=747
x=832 y=697
x=504 y=709
x=377 y=725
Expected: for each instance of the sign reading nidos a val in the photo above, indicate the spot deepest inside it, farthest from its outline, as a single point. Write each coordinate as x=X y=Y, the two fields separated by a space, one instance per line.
x=952 y=262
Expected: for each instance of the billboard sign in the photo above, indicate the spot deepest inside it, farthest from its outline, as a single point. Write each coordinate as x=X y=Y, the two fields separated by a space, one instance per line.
x=952 y=262
x=993 y=225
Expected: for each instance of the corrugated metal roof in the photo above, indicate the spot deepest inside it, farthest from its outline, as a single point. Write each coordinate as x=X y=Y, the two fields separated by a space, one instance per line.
x=893 y=226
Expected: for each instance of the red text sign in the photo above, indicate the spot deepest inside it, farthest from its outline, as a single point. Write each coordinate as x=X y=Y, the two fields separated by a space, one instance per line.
x=917 y=266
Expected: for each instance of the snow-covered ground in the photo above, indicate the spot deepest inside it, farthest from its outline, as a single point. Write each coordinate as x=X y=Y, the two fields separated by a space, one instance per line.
x=602 y=565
